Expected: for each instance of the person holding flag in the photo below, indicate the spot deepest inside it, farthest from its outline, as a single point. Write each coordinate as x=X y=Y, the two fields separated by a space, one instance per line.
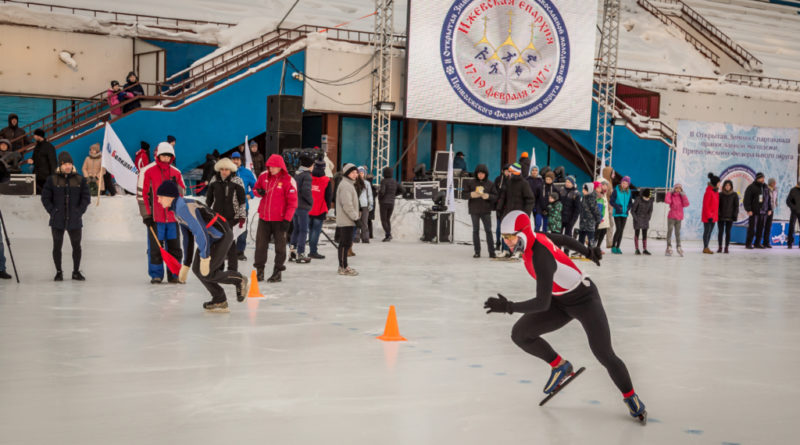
x=214 y=238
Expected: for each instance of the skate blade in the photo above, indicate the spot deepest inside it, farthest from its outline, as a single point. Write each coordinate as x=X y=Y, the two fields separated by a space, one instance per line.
x=566 y=382
x=642 y=418
x=226 y=310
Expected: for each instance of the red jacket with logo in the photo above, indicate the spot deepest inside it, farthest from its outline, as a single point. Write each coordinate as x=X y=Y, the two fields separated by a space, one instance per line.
x=150 y=178
x=278 y=193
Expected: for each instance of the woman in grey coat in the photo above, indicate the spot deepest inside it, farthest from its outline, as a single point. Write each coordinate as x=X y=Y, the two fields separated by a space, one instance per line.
x=348 y=213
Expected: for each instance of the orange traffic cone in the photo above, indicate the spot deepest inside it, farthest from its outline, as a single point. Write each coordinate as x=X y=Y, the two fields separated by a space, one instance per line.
x=391 y=332
x=254 y=292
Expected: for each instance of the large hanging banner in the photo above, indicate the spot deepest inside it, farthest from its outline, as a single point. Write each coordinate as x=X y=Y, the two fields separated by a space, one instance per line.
x=732 y=152
x=517 y=62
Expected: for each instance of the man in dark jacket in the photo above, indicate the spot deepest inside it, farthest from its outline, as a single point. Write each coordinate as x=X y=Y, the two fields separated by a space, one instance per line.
x=208 y=171
x=13 y=132
x=536 y=183
x=500 y=183
x=387 y=194
x=132 y=86
x=571 y=202
x=525 y=165
x=517 y=195
x=66 y=197
x=226 y=197
x=305 y=200
x=43 y=159
x=482 y=196
x=757 y=204
x=257 y=158
x=793 y=201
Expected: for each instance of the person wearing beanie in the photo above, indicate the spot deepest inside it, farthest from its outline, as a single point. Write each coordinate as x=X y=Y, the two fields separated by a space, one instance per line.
x=547 y=189
x=554 y=209
x=642 y=211
x=500 y=184
x=388 y=192
x=171 y=140
x=278 y=194
x=536 y=183
x=157 y=217
x=142 y=156
x=227 y=197
x=482 y=195
x=793 y=202
x=43 y=159
x=15 y=135
x=115 y=96
x=710 y=211
x=322 y=196
x=459 y=163
x=366 y=201
x=590 y=216
x=65 y=197
x=728 y=213
x=93 y=170
x=757 y=205
x=677 y=201
x=524 y=164
x=249 y=181
x=257 y=158
x=348 y=214
x=517 y=194
x=515 y=169
x=212 y=234
x=772 y=192
x=305 y=201
x=621 y=200
x=132 y=86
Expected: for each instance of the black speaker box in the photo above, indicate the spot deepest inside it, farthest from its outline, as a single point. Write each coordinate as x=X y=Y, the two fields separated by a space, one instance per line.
x=277 y=142
x=285 y=114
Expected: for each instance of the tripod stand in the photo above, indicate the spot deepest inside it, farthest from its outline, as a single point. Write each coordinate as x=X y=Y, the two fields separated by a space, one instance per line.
x=8 y=243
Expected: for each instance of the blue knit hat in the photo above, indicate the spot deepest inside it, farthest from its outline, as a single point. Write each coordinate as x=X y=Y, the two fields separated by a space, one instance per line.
x=236 y=155
x=571 y=179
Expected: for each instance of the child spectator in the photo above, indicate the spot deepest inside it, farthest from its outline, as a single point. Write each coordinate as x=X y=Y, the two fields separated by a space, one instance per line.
x=93 y=170
x=677 y=201
x=590 y=215
x=728 y=212
x=602 y=189
x=554 y=208
x=642 y=211
x=621 y=203
x=115 y=96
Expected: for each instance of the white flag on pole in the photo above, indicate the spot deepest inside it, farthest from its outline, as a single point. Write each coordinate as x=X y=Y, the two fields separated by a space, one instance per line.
x=117 y=161
x=248 y=158
x=533 y=160
x=451 y=196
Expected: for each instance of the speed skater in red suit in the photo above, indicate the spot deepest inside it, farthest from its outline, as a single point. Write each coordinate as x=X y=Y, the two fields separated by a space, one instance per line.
x=563 y=293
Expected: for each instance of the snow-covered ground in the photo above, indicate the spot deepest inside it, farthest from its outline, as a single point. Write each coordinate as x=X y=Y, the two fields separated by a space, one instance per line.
x=710 y=342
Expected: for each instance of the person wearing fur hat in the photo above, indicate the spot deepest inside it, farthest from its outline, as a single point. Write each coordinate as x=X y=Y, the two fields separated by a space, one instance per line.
x=728 y=213
x=571 y=205
x=161 y=219
x=132 y=86
x=590 y=215
x=772 y=190
x=142 y=156
x=212 y=234
x=65 y=196
x=348 y=214
x=249 y=181
x=642 y=211
x=305 y=201
x=93 y=170
x=677 y=201
x=757 y=205
x=621 y=200
x=710 y=211
x=563 y=293
x=226 y=196
x=278 y=193
x=43 y=159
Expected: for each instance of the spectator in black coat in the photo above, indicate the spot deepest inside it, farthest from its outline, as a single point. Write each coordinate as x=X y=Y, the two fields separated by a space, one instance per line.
x=9 y=159
x=305 y=201
x=500 y=183
x=208 y=171
x=536 y=183
x=43 y=159
x=66 y=197
x=517 y=195
x=387 y=194
x=482 y=196
x=793 y=201
x=547 y=189
x=571 y=202
x=757 y=205
x=728 y=213
x=226 y=196
x=132 y=86
x=525 y=165
x=14 y=134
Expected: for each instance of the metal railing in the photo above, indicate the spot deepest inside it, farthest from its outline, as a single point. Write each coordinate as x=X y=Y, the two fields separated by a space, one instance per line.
x=763 y=82
x=116 y=18
x=700 y=46
x=643 y=126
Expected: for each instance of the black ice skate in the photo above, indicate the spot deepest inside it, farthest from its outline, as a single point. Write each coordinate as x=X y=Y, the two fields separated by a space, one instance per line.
x=241 y=289
x=221 y=307
x=564 y=380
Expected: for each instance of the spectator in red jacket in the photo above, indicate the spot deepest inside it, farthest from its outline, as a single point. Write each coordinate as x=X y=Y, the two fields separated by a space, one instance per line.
x=278 y=193
x=142 y=156
x=160 y=219
x=710 y=210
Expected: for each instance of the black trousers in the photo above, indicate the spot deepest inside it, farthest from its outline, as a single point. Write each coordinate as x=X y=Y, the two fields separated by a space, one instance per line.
x=724 y=229
x=74 y=240
x=586 y=307
x=217 y=275
x=567 y=229
x=619 y=229
x=792 y=221
x=386 y=217
x=755 y=228
x=486 y=219
x=601 y=234
x=270 y=230
x=767 y=234
x=345 y=243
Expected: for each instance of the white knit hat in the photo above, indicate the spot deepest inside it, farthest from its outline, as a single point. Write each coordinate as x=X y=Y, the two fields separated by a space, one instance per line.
x=165 y=148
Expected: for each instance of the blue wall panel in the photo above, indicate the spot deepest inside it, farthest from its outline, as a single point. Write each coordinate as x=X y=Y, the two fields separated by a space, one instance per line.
x=29 y=109
x=424 y=144
x=181 y=55
x=355 y=137
x=481 y=144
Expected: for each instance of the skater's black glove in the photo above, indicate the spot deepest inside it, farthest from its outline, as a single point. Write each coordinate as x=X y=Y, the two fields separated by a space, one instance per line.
x=148 y=221
x=285 y=225
x=595 y=254
x=500 y=304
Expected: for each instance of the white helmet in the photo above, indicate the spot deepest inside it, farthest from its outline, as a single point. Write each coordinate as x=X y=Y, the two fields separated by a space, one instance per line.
x=165 y=148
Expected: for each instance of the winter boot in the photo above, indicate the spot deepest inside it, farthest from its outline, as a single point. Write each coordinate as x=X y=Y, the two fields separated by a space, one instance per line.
x=260 y=274
x=276 y=277
x=635 y=405
x=719 y=249
x=76 y=275
x=557 y=376
x=292 y=254
x=477 y=255
x=387 y=239
x=316 y=256
x=347 y=271
x=59 y=276
x=4 y=275
x=645 y=252
x=707 y=251
x=241 y=257
x=726 y=249
x=350 y=252
x=220 y=307
x=156 y=280
x=638 y=252
x=241 y=289
x=302 y=259
x=173 y=279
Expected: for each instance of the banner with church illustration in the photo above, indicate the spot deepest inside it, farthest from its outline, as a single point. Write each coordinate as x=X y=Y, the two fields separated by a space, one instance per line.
x=736 y=153
x=517 y=62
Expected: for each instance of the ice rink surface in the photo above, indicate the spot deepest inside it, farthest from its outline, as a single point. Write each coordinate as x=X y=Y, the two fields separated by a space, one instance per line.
x=712 y=344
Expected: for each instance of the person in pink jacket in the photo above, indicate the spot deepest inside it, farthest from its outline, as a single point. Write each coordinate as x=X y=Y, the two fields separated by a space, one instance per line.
x=115 y=96
x=677 y=201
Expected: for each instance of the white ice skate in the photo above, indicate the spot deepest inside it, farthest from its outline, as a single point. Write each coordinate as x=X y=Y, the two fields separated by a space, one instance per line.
x=680 y=252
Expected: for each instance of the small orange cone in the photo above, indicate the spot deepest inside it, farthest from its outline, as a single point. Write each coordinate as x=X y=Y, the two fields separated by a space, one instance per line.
x=391 y=332
x=254 y=292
